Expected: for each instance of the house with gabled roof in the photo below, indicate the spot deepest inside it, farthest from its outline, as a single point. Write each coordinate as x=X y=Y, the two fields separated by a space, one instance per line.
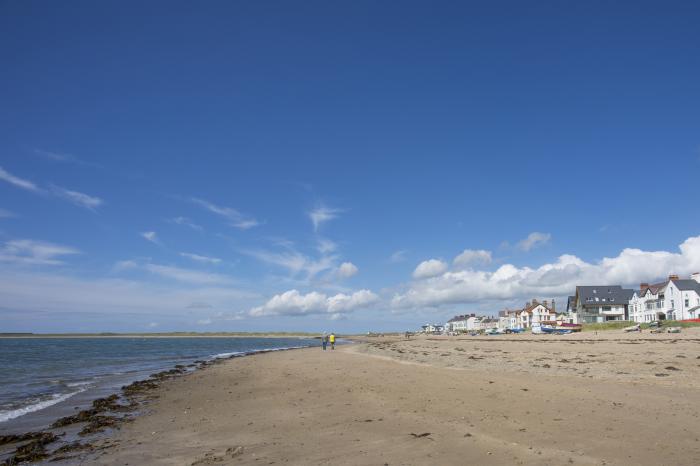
x=675 y=298
x=533 y=312
x=600 y=303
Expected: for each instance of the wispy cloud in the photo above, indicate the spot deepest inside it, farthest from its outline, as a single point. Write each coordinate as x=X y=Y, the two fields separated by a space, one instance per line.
x=533 y=240
x=80 y=199
x=151 y=236
x=202 y=259
x=398 y=256
x=180 y=274
x=326 y=246
x=323 y=214
x=294 y=261
x=184 y=221
x=74 y=197
x=233 y=216
x=19 y=182
x=58 y=157
x=31 y=252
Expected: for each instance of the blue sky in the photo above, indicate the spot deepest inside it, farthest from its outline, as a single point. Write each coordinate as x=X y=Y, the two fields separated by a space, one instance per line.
x=323 y=166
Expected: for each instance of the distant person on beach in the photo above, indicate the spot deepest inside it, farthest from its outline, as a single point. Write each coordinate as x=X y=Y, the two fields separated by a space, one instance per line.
x=332 y=340
x=324 y=340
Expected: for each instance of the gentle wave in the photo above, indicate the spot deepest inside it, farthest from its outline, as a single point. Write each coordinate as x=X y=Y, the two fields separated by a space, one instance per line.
x=255 y=351
x=56 y=398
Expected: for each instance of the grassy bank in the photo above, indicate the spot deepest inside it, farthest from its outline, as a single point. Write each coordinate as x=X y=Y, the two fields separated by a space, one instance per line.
x=619 y=325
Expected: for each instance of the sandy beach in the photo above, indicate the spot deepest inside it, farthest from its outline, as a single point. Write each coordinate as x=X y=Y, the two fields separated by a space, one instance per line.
x=611 y=398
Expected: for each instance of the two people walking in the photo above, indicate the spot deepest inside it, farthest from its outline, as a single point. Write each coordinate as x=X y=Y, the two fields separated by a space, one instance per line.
x=325 y=339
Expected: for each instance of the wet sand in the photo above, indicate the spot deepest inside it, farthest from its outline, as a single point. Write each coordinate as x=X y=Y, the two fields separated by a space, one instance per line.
x=613 y=398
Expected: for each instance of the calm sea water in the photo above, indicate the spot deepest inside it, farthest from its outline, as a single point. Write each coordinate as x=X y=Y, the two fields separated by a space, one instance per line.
x=41 y=374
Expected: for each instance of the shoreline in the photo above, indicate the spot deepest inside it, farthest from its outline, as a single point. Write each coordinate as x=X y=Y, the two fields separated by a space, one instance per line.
x=102 y=416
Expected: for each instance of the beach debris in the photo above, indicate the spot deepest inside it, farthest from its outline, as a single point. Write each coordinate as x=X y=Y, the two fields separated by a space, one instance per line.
x=424 y=434
x=233 y=452
x=661 y=375
x=671 y=368
x=14 y=438
x=34 y=450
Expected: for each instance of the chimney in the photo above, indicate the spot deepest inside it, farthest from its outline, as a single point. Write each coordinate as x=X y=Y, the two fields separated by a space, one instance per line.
x=527 y=304
x=545 y=303
x=643 y=286
x=534 y=301
x=554 y=307
x=696 y=276
x=673 y=277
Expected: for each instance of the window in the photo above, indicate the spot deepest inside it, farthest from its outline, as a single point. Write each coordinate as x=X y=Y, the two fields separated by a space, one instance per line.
x=687 y=301
x=672 y=304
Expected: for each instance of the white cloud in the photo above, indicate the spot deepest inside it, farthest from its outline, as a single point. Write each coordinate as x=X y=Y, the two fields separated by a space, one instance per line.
x=533 y=240
x=6 y=214
x=152 y=325
x=323 y=214
x=31 y=252
x=559 y=278
x=77 y=198
x=429 y=268
x=472 y=257
x=19 y=182
x=202 y=259
x=233 y=216
x=347 y=270
x=186 y=222
x=206 y=321
x=398 y=256
x=293 y=303
x=150 y=236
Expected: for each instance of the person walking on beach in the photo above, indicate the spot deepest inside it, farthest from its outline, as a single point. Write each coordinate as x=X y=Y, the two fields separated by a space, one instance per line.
x=332 y=340
x=324 y=340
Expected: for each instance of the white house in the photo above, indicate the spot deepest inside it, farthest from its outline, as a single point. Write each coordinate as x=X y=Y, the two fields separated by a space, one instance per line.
x=533 y=312
x=457 y=323
x=432 y=328
x=674 y=299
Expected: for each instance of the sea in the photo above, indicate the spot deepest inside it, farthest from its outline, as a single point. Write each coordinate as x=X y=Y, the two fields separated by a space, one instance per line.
x=47 y=378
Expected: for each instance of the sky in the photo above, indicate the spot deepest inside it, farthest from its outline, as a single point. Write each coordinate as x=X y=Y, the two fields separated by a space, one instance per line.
x=338 y=166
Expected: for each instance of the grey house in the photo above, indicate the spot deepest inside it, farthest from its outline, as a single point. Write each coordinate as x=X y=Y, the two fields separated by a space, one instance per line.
x=600 y=303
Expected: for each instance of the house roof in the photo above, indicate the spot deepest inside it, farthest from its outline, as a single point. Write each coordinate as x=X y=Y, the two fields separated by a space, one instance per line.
x=687 y=285
x=654 y=288
x=611 y=294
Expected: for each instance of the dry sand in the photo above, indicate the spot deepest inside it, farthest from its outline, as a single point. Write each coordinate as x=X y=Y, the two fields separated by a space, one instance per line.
x=574 y=399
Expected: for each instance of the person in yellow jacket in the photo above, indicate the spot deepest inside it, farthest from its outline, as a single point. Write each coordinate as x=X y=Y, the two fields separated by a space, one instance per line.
x=331 y=339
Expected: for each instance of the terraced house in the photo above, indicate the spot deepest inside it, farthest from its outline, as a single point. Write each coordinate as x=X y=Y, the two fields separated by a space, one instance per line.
x=675 y=298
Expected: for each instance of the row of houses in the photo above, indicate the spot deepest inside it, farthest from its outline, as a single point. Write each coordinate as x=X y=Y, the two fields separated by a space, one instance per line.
x=673 y=299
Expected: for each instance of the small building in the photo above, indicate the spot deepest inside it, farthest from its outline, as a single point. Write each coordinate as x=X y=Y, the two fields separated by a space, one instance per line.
x=432 y=328
x=458 y=323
